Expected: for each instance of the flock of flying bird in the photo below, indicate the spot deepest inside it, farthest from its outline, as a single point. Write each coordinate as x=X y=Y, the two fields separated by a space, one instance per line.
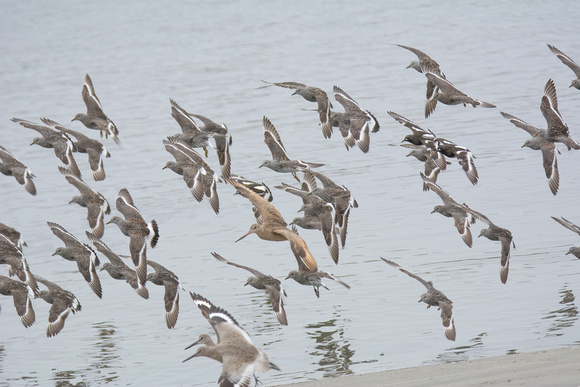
x=326 y=206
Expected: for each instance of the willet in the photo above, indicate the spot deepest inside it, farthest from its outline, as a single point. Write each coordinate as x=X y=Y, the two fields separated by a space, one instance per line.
x=434 y=297
x=95 y=117
x=138 y=231
x=59 y=141
x=166 y=278
x=261 y=281
x=273 y=227
x=11 y=166
x=570 y=63
x=234 y=348
x=96 y=204
x=117 y=269
x=85 y=257
x=63 y=302
x=312 y=94
x=198 y=176
x=280 y=161
x=84 y=144
x=427 y=156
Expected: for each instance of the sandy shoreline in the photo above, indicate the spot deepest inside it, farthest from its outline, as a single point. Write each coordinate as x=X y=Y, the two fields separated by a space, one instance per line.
x=557 y=367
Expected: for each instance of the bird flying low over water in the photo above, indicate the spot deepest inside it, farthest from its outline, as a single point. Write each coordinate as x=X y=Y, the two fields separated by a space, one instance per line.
x=96 y=117
x=240 y=358
x=434 y=297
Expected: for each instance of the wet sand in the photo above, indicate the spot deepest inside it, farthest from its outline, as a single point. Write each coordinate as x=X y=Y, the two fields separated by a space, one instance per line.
x=557 y=367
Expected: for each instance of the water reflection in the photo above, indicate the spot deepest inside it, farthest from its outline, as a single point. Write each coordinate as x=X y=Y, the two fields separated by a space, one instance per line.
x=336 y=355
x=462 y=352
x=101 y=361
x=564 y=317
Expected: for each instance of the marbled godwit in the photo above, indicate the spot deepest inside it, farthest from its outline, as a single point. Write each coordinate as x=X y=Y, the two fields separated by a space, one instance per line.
x=273 y=227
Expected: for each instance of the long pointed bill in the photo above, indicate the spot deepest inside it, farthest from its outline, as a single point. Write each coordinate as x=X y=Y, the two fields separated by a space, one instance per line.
x=243 y=236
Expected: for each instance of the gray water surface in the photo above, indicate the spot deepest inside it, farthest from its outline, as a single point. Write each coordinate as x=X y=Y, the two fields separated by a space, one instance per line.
x=210 y=58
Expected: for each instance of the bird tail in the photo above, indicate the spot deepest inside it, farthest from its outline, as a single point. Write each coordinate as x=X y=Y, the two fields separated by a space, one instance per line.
x=154 y=229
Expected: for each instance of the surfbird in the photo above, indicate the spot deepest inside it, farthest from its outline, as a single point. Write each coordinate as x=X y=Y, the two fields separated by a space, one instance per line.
x=261 y=281
x=85 y=257
x=426 y=156
x=424 y=60
x=280 y=161
x=260 y=188
x=337 y=195
x=117 y=269
x=311 y=94
x=274 y=228
x=452 y=209
x=446 y=93
x=11 y=255
x=240 y=358
x=574 y=228
x=307 y=277
x=95 y=203
x=20 y=295
x=222 y=139
x=96 y=117
x=13 y=235
x=59 y=141
x=539 y=142
x=557 y=129
x=421 y=137
x=463 y=155
x=570 y=63
x=434 y=297
x=138 y=231
x=197 y=174
x=496 y=233
x=191 y=134
x=93 y=148
x=166 y=278
x=11 y=166
x=324 y=211
x=355 y=124
x=63 y=302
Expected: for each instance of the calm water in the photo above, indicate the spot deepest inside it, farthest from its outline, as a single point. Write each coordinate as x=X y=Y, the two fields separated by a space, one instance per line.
x=210 y=58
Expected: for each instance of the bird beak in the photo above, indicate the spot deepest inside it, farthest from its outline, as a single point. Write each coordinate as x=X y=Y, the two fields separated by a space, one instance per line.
x=189 y=346
x=102 y=268
x=408 y=67
x=109 y=222
x=243 y=236
x=523 y=146
x=53 y=254
x=261 y=165
x=432 y=211
x=191 y=357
